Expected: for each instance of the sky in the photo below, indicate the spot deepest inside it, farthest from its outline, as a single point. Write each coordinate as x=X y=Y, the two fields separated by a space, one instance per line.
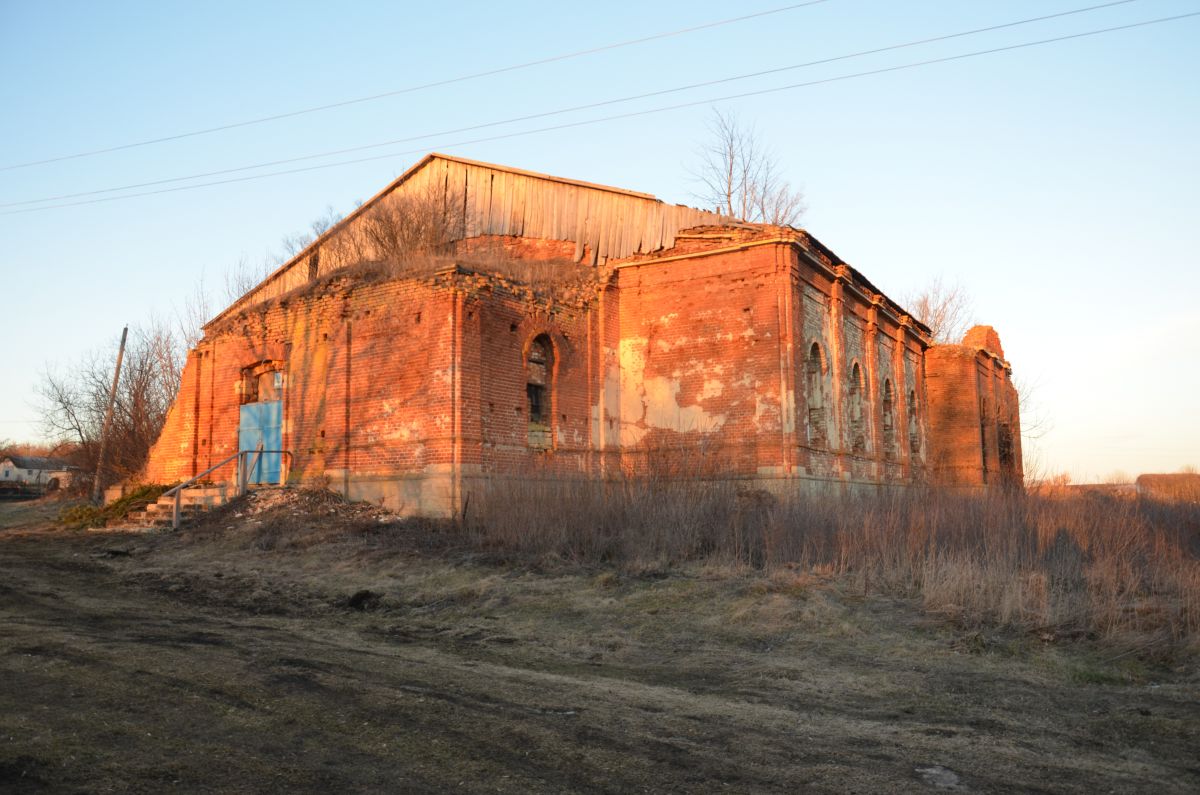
x=1058 y=184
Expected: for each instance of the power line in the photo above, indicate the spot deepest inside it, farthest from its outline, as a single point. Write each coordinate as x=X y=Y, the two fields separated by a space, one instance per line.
x=573 y=109
x=631 y=114
x=411 y=89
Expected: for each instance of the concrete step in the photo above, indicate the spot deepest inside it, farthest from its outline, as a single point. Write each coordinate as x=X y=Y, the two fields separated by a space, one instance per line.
x=156 y=508
x=192 y=502
x=204 y=500
x=224 y=491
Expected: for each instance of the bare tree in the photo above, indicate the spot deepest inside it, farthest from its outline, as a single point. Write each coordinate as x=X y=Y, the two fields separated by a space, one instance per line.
x=741 y=176
x=775 y=202
x=408 y=230
x=242 y=277
x=946 y=308
x=190 y=318
x=294 y=244
x=73 y=401
x=1035 y=423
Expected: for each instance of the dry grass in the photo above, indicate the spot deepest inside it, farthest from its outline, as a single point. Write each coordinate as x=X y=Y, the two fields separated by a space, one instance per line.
x=1125 y=572
x=1122 y=572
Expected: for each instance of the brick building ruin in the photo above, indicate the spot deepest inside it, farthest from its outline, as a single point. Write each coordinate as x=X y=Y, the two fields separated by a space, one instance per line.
x=474 y=322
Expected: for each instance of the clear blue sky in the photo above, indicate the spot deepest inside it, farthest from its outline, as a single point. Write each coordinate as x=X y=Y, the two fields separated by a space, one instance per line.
x=1058 y=184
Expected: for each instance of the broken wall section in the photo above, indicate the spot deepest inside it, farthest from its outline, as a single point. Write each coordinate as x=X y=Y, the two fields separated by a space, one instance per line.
x=974 y=414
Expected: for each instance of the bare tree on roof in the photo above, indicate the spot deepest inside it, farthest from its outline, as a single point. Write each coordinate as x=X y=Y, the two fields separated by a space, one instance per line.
x=242 y=277
x=741 y=176
x=946 y=308
x=294 y=244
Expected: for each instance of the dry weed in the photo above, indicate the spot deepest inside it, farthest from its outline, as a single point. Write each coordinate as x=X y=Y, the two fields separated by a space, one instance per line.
x=1122 y=571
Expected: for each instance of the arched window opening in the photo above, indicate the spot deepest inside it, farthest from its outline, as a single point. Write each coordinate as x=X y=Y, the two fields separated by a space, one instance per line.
x=983 y=443
x=858 y=424
x=889 y=420
x=914 y=426
x=539 y=366
x=815 y=366
x=1004 y=442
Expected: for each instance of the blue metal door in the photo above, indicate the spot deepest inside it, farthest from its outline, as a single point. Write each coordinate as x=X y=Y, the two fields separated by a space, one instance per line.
x=261 y=424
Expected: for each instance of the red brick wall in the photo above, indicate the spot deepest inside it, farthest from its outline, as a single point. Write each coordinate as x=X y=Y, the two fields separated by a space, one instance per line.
x=368 y=384
x=701 y=385
x=690 y=364
x=497 y=337
x=973 y=415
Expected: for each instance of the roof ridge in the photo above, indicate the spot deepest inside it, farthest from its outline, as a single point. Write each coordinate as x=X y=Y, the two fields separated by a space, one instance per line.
x=400 y=180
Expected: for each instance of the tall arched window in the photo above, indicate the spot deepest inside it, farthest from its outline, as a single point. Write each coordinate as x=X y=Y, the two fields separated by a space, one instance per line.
x=889 y=420
x=539 y=367
x=815 y=368
x=983 y=440
x=1006 y=448
x=914 y=425
x=858 y=421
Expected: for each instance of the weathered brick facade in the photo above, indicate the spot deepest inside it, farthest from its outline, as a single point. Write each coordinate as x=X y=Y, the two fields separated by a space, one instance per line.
x=712 y=349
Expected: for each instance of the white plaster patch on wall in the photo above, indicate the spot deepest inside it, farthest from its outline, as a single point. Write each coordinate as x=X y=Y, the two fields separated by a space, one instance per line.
x=712 y=388
x=664 y=345
x=631 y=435
x=789 y=411
x=594 y=418
x=654 y=402
x=562 y=437
x=766 y=410
x=633 y=367
x=612 y=404
x=404 y=432
x=704 y=366
x=663 y=409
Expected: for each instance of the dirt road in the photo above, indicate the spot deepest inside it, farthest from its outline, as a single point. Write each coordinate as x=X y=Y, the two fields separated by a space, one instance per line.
x=151 y=664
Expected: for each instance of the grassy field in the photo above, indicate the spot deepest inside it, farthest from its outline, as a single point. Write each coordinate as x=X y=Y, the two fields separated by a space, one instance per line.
x=292 y=642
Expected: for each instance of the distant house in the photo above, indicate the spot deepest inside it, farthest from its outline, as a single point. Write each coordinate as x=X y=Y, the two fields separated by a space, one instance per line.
x=1173 y=487
x=22 y=474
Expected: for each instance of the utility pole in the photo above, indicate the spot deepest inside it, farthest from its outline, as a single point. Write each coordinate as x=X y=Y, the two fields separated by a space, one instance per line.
x=112 y=399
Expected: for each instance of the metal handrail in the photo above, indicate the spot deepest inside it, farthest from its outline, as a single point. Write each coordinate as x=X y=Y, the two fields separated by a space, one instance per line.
x=177 y=491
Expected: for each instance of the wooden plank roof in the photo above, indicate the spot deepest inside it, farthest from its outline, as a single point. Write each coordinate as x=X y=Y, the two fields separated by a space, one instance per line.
x=604 y=222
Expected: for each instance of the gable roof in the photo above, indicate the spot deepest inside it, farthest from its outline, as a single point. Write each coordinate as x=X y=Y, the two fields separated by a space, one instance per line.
x=603 y=221
x=37 y=462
